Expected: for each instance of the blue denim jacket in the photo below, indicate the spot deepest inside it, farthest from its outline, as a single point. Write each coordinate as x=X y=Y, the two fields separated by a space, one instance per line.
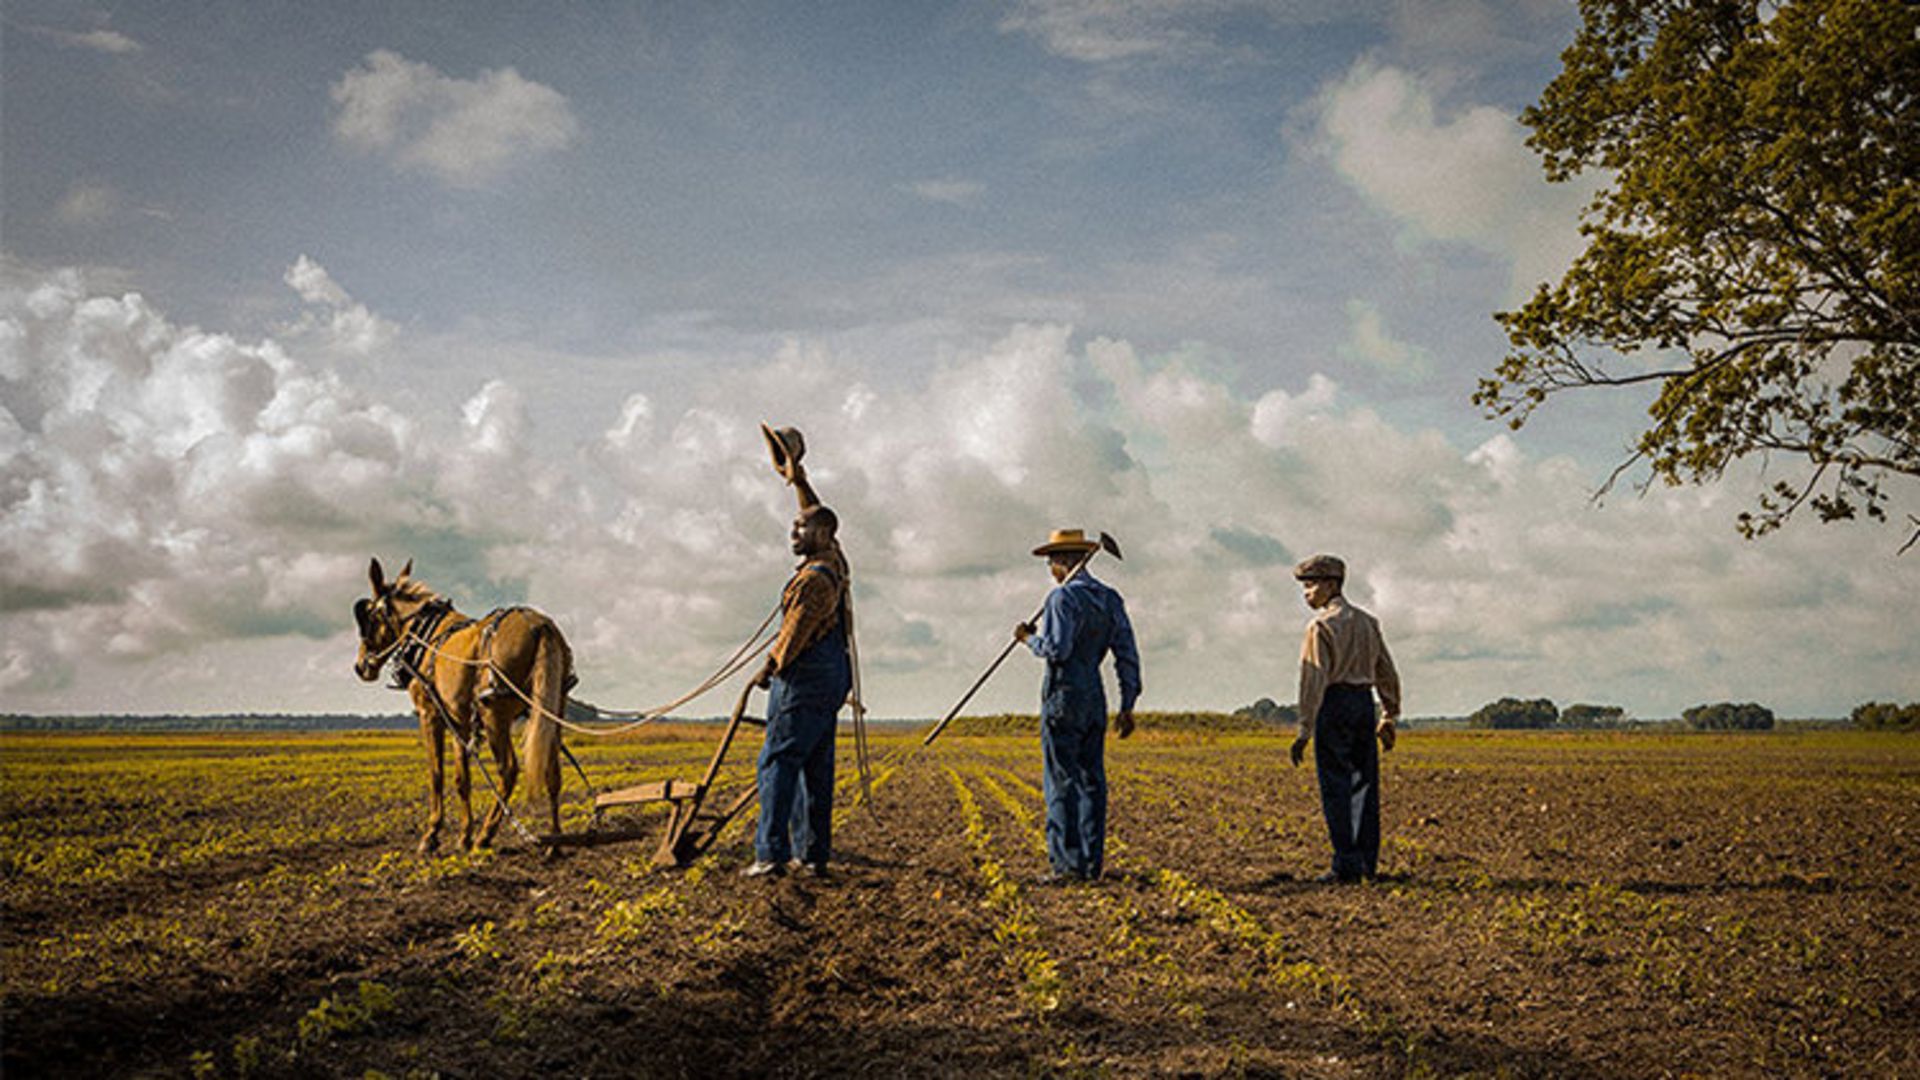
x=1082 y=622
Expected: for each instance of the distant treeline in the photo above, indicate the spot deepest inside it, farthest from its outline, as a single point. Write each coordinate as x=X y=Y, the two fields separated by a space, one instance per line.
x=1261 y=716
x=1543 y=713
x=1726 y=716
x=1015 y=723
x=239 y=722
x=1878 y=716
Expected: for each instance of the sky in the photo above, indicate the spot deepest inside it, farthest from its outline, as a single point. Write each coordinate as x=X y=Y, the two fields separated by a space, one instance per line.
x=506 y=290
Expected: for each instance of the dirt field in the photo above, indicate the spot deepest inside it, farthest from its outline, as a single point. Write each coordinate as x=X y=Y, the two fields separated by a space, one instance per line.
x=1603 y=905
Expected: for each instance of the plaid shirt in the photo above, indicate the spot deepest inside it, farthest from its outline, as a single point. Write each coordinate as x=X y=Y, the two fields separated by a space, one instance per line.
x=813 y=603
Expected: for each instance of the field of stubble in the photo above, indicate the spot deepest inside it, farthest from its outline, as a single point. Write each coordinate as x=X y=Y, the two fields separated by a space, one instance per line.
x=1567 y=905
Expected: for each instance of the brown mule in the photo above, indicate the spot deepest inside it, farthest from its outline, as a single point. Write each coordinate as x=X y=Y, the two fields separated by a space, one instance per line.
x=476 y=677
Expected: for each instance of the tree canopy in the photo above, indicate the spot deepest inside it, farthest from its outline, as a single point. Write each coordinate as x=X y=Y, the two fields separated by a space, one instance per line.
x=1758 y=240
x=1268 y=711
x=1727 y=716
x=1592 y=716
x=1887 y=716
x=1514 y=713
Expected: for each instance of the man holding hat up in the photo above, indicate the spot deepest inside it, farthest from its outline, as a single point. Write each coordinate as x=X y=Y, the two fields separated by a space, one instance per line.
x=1343 y=661
x=1082 y=622
x=807 y=675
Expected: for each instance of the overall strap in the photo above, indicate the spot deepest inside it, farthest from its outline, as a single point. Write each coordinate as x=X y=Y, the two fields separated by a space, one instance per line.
x=840 y=587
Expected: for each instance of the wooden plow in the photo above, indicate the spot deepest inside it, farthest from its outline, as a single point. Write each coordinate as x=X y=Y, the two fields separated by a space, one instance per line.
x=692 y=826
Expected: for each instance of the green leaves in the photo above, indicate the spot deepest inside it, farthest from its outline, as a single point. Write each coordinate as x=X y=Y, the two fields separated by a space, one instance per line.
x=1756 y=253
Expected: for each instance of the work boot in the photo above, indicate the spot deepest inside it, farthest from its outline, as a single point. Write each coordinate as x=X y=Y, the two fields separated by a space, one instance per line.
x=762 y=868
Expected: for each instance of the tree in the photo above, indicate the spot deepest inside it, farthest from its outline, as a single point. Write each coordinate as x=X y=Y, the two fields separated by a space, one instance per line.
x=1759 y=234
x=1268 y=711
x=1592 y=716
x=1515 y=713
x=1727 y=716
x=1887 y=716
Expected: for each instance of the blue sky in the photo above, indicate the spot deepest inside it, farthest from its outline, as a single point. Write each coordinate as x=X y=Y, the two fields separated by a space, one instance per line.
x=505 y=288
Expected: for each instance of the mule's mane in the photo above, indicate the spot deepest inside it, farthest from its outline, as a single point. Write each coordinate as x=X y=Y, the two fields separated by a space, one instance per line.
x=409 y=590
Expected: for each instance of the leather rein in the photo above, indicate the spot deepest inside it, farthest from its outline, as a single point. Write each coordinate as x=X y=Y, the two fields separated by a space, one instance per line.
x=419 y=632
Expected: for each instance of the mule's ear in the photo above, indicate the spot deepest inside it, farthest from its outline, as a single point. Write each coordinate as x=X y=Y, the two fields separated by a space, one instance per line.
x=405 y=571
x=378 y=578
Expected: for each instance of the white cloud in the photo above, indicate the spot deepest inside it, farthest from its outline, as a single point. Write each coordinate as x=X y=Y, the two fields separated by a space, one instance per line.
x=1106 y=31
x=150 y=470
x=314 y=284
x=1467 y=177
x=169 y=497
x=950 y=191
x=88 y=204
x=1370 y=342
x=112 y=42
x=464 y=131
x=344 y=325
x=1101 y=30
x=91 y=204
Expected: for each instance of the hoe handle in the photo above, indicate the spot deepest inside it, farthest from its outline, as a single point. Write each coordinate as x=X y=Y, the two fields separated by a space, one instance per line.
x=977 y=684
x=1107 y=543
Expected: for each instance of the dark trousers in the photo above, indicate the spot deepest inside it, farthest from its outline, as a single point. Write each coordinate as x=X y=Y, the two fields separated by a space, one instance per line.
x=1073 y=756
x=799 y=746
x=1348 y=762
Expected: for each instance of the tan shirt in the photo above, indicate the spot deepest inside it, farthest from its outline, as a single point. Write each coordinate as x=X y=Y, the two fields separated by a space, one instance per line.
x=1344 y=645
x=812 y=604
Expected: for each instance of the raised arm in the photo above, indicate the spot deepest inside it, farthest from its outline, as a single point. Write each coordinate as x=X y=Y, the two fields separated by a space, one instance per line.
x=803 y=490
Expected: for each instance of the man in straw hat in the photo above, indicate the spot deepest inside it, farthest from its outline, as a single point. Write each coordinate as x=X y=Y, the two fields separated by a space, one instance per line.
x=1343 y=661
x=1082 y=622
x=807 y=675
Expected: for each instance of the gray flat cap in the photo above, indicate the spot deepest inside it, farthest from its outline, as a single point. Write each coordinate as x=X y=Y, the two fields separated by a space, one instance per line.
x=1320 y=566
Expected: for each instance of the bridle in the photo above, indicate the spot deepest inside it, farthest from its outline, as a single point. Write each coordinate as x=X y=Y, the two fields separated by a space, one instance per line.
x=412 y=636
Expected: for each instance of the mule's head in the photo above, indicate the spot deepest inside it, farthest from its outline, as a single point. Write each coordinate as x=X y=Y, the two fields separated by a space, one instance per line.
x=382 y=617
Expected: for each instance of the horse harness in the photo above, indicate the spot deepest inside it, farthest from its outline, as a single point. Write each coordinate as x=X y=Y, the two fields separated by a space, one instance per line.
x=416 y=659
x=422 y=631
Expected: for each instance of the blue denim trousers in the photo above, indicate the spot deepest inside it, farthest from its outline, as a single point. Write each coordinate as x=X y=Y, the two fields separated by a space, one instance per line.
x=799 y=747
x=1348 y=762
x=1073 y=756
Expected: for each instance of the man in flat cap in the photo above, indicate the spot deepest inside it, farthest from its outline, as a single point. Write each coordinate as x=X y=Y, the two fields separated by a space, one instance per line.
x=808 y=674
x=1082 y=622
x=1343 y=661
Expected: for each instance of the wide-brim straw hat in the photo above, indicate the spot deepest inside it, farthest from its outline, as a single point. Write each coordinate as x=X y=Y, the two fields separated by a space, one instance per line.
x=786 y=447
x=1074 y=540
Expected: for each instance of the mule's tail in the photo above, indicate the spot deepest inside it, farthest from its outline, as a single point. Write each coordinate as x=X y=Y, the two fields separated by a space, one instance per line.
x=552 y=664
